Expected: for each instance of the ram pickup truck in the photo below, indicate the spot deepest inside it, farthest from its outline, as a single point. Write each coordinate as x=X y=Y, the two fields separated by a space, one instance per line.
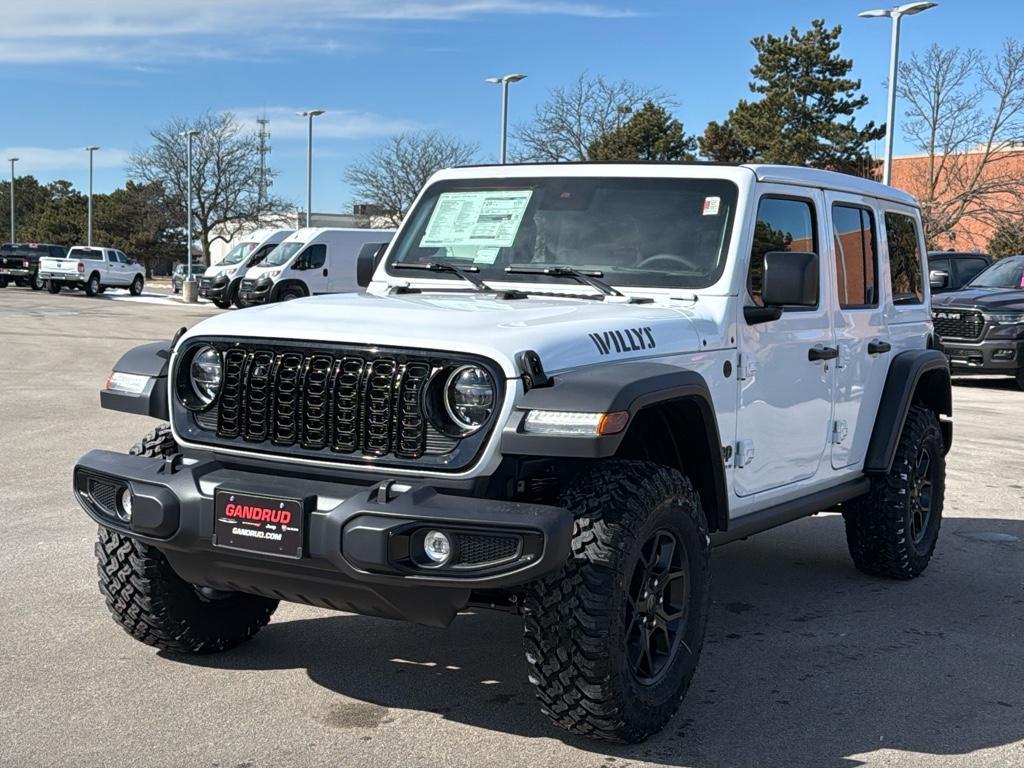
x=561 y=386
x=19 y=263
x=93 y=270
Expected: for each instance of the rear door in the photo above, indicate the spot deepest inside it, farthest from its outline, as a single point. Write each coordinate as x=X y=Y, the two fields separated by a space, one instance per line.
x=785 y=396
x=859 y=322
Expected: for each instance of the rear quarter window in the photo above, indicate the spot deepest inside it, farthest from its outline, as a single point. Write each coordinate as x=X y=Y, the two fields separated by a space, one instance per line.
x=905 y=274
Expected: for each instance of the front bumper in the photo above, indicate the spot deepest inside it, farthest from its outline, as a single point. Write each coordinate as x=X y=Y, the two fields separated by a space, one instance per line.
x=255 y=294
x=991 y=356
x=213 y=290
x=357 y=547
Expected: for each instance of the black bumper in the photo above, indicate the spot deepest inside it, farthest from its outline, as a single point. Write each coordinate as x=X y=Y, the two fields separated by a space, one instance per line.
x=255 y=294
x=216 y=291
x=991 y=356
x=358 y=553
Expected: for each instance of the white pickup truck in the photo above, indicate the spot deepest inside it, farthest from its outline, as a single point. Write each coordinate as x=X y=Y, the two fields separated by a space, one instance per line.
x=93 y=270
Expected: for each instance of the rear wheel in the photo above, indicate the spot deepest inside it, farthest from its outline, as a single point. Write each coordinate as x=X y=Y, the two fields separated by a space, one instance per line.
x=92 y=285
x=1020 y=378
x=53 y=286
x=3 y=282
x=136 y=287
x=155 y=605
x=37 y=282
x=612 y=640
x=892 y=531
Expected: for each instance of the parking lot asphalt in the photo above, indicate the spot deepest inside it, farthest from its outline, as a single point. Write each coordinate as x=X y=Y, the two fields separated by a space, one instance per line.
x=807 y=662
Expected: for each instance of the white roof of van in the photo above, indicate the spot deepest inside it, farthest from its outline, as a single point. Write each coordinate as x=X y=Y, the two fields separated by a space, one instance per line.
x=306 y=234
x=776 y=174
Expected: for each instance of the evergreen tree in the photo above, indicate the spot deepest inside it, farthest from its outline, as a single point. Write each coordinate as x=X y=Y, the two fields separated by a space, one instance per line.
x=805 y=113
x=1008 y=239
x=651 y=133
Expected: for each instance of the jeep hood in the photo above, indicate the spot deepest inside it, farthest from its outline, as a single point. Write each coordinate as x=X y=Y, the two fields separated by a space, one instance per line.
x=565 y=332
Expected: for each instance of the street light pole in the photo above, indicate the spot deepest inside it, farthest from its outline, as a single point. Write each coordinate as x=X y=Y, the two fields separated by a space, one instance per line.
x=188 y=288
x=12 y=160
x=88 y=231
x=310 y=113
x=896 y=14
x=504 y=81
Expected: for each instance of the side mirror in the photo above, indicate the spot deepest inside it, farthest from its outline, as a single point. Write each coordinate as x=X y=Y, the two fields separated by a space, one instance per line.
x=938 y=279
x=300 y=264
x=790 y=280
x=367 y=262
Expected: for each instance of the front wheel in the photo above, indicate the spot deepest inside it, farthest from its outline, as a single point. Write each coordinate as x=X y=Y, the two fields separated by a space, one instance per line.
x=612 y=640
x=1020 y=378
x=288 y=294
x=221 y=304
x=155 y=605
x=136 y=287
x=893 y=529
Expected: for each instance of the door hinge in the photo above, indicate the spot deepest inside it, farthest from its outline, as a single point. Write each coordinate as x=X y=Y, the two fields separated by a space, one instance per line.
x=839 y=431
x=744 y=453
x=746 y=367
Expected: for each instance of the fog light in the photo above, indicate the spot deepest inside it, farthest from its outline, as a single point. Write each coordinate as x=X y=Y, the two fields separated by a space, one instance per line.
x=125 y=510
x=437 y=547
x=1003 y=354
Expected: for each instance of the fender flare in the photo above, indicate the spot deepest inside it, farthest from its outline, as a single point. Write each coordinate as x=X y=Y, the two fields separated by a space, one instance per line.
x=629 y=386
x=915 y=375
x=150 y=360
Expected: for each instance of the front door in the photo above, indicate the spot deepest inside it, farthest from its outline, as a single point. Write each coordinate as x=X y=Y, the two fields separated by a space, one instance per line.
x=861 y=330
x=314 y=258
x=785 y=386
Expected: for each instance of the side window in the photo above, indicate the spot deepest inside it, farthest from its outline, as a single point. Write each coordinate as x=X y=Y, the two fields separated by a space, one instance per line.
x=783 y=224
x=966 y=269
x=853 y=228
x=904 y=258
x=316 y=255
x=57 y=252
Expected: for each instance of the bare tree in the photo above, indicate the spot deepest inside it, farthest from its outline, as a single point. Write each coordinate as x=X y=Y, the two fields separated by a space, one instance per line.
x=966 y=115
x=566 y=125
x=392 y=175
x=226 y=178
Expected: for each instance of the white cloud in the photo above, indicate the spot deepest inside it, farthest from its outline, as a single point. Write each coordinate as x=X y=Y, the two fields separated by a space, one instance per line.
x=130 y=31
x=336 y=123
x=36 y=160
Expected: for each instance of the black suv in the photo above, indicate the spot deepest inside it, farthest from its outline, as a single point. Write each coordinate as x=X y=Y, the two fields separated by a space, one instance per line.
x=981 y=326
x=19 y=262
x=952 y=270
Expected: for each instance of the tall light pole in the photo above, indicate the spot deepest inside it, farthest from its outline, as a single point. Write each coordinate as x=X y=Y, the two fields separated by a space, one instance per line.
x=188 y=288
x=88 y=231
x=896 y=14
x=504 y=81
x=310 y=113
x=12 y=160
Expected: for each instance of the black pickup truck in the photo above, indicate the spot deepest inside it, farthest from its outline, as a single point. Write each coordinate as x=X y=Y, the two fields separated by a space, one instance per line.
x=19 y=262
x=981 y=326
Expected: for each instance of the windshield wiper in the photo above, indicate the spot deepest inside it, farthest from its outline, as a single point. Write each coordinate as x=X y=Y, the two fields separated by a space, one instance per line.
x=586 y=277
x=466 y=273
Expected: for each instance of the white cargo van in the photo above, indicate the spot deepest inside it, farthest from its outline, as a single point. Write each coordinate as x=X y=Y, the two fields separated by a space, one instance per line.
x=309 y=261
x=221 y=281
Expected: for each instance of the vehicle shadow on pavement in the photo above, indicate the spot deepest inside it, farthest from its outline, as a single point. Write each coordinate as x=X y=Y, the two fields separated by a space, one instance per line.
x=807 y=662
x=985 y=382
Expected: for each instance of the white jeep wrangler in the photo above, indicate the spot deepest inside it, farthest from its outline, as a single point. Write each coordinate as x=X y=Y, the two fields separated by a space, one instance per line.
x=563 y=385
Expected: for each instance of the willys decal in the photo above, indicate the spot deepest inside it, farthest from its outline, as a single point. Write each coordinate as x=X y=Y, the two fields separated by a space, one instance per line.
x=626 y=340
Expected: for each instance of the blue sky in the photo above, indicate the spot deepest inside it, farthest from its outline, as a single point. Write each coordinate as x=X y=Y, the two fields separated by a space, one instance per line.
x=103 y=72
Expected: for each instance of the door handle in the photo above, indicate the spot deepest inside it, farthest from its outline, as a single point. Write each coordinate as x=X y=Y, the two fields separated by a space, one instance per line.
x=814 y=354
x=877 y=347
x=325 y=273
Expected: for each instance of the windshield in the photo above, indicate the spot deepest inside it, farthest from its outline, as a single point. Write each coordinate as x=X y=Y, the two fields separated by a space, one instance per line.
x=668 y=233
x=281 y=254
x=239 y=252
x=1003 y=274
x=260 y=254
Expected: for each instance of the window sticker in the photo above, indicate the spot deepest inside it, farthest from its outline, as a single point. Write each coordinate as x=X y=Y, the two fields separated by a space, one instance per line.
x=486 y=256
x=488 y=218
x=711 y=206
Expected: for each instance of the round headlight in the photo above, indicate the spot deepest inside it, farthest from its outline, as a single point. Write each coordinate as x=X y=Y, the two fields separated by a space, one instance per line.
x=205 y=373
x=469 y=396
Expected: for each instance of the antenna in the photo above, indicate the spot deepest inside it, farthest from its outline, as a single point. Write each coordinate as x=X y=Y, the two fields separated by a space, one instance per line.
x=264 y=149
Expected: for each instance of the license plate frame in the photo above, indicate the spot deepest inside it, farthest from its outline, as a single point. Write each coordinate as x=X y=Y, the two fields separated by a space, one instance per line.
x=260 y=524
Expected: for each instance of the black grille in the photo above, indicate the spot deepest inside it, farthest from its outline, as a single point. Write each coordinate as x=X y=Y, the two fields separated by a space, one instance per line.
x=958 y=323
x=248 y=285
x=342 y=402
x=104 y=495
x=476 y=549
x=205 y=282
